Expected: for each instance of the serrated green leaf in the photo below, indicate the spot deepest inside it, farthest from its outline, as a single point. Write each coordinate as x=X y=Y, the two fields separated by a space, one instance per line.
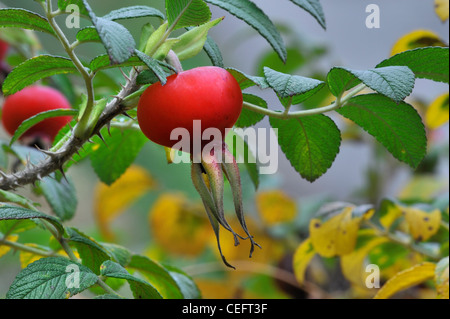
x=310 y=143
x=430 y=63
x=395 y=82
x=63 y=4
x=398 y=127
x=35 y=69
x=46 y=279
x=157 y=275
x=32 y=121
x=256 y=18
x=92 y=254
x=292 y=89
x=212 y=50
x=88 y=34
x=61 y=196
x=146 y=77
x=186 y=13
x=153 y=65
x=120 y=152
x=249 y=118
x=246 y=81
x=192 y=42
x=103 y=62
x=140 y=288
x=314 y=8
x=8 y=212
x=134 y=12
x=24 y=19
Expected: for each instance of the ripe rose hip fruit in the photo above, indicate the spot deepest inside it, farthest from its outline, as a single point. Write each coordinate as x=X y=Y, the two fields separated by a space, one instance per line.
x=209 y=94
x=30 y=102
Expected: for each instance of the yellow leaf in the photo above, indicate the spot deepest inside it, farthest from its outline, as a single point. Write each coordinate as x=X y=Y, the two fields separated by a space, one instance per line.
x=337 y=236
x=5 y=249
x=302 y=257
x=353 y=264
x=27 y=258
x=275 y=207
x=111 y=201
x=416 y=39
x=390 y=212
x=442 y=9
x=422 y=188
x=442 y=275
x=179 y=226
x=406 y=279
x=422 y=225
x=437 y=113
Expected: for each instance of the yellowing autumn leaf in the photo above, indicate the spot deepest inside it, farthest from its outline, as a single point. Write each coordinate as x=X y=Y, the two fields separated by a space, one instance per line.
x=179 y=226
x=422 y=225
x=336 y=236
x=406 y=279
x=5 y=249
x=442 y=9
x=27 y=258
x=438 y=112
x=417 y=39
x=441 y=278
x=389 y=213
x=111 y=201
x=302 y=257
x=422 y=188
x=275 y=207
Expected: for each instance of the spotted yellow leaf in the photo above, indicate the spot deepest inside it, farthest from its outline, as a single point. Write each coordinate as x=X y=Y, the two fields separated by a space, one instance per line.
x=352 y=265
x=442 y=9
x=406 y=279
x=416 y=39
x=336 y=236
x=422 y=225
x=5 y=249
x=179 y=226
x=441 y=278
x=302 y=257
x=437 y=113
x=275 y=207
x=111 y=201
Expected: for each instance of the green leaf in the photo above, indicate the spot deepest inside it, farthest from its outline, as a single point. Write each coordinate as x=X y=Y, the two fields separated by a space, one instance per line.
x=140 y=288
x=398 y=127
x=249 y=118
x=314 y=8
x=157 y=275
x=103 y=62
x=92 y=254
x=186 y=284
x=32 y=121
x=430 y=63
x=292 y=89
x=192 y=42
x=256 y=18
x=186 y=13
x=47 y=278
x=309 y=143
x=246 y=81
x=120 y=254
x=24 y=19
x=107 y=296
x=212 y=50
x=395 y=82
x=134 y=12
x=35 y=69
x=63 y=4
x=147 y=77
x=88 y=34
x=110 y=162
x=153 y=65
x=8 y=212
x=61 y=196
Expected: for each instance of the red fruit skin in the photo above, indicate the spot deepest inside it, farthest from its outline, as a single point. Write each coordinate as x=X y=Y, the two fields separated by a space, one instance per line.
x=4 y=46
x=30 y=102
x=209 y=94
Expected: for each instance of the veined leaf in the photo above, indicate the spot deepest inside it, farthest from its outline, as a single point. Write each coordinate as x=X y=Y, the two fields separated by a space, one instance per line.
x=430 y=63
x=310 y=143
x=88 y=34
x=256 y=18
x=35 y=69
x=394 y=82
x=153 y=65
x=61 y=196
x=397 y=126
x=103 y=62
x=314 y=8
x=292 y=89
x=246 y=81
x=140 y=288
x=407 y=278
x=134 y=12
x=302 y=257
x=212 y=50
x=186 y=13
x=63 y=4
x=47 y=278
x=24 y=19
x=32 y=121
x=438 y=112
